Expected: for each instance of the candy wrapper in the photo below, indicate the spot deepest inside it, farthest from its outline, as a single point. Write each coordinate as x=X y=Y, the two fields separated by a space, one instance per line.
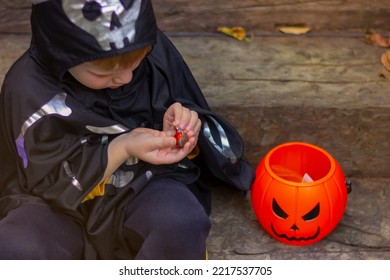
x=181 y=138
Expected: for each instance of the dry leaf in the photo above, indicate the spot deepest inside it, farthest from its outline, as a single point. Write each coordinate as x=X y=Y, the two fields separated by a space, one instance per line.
x=385 y=74
x=295 y=30
x=385 y=60
x=237 y=32
x=376 y=39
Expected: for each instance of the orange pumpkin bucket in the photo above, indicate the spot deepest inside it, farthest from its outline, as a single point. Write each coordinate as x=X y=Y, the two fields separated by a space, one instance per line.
x=299 y=194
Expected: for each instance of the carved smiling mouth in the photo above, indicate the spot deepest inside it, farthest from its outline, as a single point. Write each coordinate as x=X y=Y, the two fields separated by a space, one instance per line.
x=293 y=238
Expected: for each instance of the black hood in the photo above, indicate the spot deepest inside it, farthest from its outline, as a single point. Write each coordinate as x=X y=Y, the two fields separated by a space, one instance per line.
x=66 y=33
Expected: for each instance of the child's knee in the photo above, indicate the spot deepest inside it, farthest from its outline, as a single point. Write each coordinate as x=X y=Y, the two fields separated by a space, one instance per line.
x=195 y=222
x=185 y=225
x=36 y=232
x=18 y=247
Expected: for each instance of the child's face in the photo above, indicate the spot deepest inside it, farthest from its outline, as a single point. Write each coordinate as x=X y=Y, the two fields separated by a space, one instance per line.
x=94 y=77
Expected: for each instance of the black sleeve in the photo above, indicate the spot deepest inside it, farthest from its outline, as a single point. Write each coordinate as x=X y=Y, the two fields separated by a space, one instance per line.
x=60 y=166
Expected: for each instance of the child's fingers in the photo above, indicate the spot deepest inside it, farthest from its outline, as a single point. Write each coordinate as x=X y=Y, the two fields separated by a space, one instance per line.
x=192 y=121
x=183 y=118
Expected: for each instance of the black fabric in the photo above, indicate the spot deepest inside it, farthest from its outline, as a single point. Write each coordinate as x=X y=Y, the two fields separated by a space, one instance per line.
x=153 y=217
x=44 y=152
x=61 y=44
x=36 y=232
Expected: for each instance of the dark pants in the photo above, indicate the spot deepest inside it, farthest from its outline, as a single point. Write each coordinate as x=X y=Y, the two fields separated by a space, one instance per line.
x=165 y=221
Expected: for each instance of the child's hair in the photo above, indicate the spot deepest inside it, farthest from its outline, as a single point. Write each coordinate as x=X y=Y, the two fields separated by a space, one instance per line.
x=122 y=60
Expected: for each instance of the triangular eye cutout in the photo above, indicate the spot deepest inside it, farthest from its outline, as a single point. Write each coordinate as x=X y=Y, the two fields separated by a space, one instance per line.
x=115 y=22
x=278 y=210
x=312 y=214
x=127 y=3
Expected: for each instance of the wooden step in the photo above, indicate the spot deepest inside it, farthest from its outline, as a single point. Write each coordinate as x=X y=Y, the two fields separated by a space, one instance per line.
x=257 y=16
x=325 y=91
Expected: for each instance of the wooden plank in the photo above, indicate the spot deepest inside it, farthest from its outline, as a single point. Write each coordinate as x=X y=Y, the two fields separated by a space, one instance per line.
x=279 y=89
x=15 y=16
x=273 y=90
x=256 y=16
x=12 y=46
x=266 y=15
x=324 y=91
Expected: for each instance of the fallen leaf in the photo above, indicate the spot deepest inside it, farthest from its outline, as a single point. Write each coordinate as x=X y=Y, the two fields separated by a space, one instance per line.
x=385 y=60
x=236 y=32
x=376 y=39
x=384 y=74
x=295 y=30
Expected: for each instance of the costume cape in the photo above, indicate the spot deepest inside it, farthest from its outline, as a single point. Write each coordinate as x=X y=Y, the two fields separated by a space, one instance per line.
x=54 y=132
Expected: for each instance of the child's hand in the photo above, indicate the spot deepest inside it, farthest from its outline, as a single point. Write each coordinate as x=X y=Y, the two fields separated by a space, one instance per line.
x=153 y=146
x=185 y=120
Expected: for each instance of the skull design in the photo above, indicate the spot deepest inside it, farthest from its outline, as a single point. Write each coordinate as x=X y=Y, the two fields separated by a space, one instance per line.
x=111 y=22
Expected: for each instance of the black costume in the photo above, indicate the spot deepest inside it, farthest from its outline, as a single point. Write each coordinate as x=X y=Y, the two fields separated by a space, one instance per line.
x=54 y=132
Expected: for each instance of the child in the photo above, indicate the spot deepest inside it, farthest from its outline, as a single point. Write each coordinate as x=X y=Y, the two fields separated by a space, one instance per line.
x=91 y=168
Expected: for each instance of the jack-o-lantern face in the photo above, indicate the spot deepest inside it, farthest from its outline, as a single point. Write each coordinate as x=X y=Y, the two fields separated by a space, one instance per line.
x=296 y=212
x=309 y=218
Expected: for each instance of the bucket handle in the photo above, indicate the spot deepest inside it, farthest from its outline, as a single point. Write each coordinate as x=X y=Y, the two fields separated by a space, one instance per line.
x=348 y=184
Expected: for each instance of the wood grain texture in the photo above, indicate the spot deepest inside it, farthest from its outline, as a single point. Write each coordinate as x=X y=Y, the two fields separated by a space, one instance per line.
x=257 y=16
x=326 y=91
